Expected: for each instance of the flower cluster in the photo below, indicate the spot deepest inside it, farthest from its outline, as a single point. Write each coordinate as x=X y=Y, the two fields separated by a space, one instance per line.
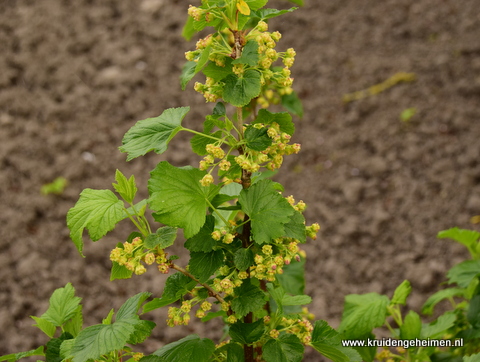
x=181 y=316
x=131 y=255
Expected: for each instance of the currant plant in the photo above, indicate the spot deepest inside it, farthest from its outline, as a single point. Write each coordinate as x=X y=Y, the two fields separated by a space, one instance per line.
x=242 y=235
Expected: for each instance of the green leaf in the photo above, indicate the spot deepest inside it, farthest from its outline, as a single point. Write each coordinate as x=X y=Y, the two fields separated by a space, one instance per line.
x=153 y=134
x=16 y=356
x=119 y=272
x=74 y=325
x=283 y=119
x=267 y=209
x=200 y=142
x=293 y=278
x=438 y=327
x=45 y=326
x=473 y=314
x=127 y=189
x=163 y=238
x=298 y=2
x=293 y=104
x=203 y=241
x=234 y=352
x=130 y=308
x=158 y=303
x=203 y=265
x=256 y=4
x=109 y=318
x=257 y=139
x=472 y=358
x=188 y=72
x=52 y=352
x=239 y=91
x=203 y=59
x=96 y=210
x=328 y=342
x=177 y=285
x=295 y=228
x=286 y=348
x=63 y=306
x=218 y=73
x=246 y=333
x=101 y=339
x=265 y=14
x=179 y=198
x=143 y=330
x=437 y=297
x=189 y=349
x=249 y=54
x=401 y=293
x=468 y=238
x=188 y=29
x=363 y=313
x=243 y=259
x=464 y=272
x=411 y=327
x=249 y=298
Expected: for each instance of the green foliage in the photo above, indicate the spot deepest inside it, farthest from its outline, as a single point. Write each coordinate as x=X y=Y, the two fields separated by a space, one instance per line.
x=56 y=187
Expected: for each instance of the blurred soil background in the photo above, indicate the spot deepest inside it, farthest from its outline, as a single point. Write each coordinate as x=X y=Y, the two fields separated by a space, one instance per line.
x=76 y=75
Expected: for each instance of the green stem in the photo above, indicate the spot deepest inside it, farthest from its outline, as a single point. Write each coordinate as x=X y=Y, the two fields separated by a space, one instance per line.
x=216 y=212
x=201 y=134
x=142 y=230
x=212 y=292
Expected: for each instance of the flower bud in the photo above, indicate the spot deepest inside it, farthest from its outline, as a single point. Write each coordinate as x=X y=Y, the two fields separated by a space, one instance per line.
x=206 y=180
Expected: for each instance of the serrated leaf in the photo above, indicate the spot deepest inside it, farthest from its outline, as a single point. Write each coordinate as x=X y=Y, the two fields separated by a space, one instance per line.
x=63 y=305
x=203 y=241
x=283 y=119
x=468 y=238
x=16 y=356
x=293 y=104
x=295 y=228
x=248 y=298
x=472 y=358
x=127 y=189
x=246 y=333
x=473 y=314
x=98 y=211
x=239 y=91
x=177 y=285
x=256 y=4
x=143 y=330
x=267 y=209
x=74 y=325
x=363 y=313
x=189 y=349
x=153 y=134
x=178 y=197
x=109 y=318
x=437 y=297
x=249 y=54
x=233 y=351
x=130 y=308
x=163 y=238
x=45 y=326
x=216 y=72
x=438 y=327
x=203 y=265
x=158 y=303
x=411 y=327
x=200 y=142
x=286 y=348
x=52 y=352
x=119 y=272
x=328 y=342
x=243 y=259
x=257 y=139
x=188 y=72
x=101 y=339
x=464 y=272
x=401 y=293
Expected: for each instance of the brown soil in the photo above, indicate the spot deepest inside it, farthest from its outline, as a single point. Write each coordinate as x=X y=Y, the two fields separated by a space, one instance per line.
x=76 y=75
